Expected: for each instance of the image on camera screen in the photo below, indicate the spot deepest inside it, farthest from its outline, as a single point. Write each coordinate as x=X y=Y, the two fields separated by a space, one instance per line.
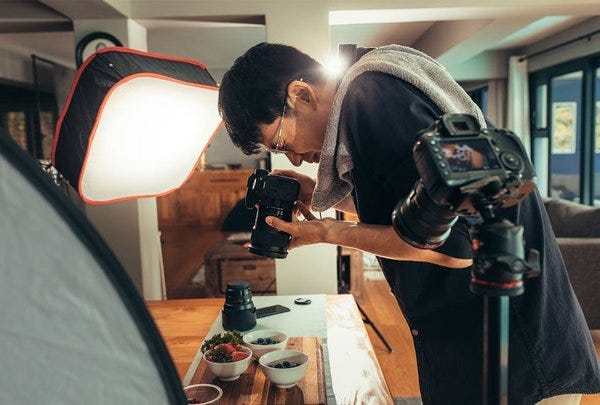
x=465 y=156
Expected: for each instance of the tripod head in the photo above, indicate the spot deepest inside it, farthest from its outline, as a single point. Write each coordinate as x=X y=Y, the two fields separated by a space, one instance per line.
x=500 y=263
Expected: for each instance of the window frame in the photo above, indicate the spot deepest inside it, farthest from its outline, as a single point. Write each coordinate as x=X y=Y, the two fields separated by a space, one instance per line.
x=23 y=99
x=588 y=66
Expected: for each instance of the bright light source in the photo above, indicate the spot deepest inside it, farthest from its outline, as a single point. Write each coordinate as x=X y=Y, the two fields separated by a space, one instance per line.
x=135 y=125
x=334 y=66
x=148 y=138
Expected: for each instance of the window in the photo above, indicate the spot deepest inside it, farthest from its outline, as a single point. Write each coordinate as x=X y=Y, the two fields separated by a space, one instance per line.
x=596 y=159
x=480 y=97
x=566 y=130
x=18 y=111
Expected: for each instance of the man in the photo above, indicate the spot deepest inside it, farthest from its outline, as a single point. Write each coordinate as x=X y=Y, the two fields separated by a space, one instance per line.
x=361 y=131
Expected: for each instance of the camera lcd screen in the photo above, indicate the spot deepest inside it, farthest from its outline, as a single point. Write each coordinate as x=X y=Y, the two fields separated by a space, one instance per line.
x=469 y=155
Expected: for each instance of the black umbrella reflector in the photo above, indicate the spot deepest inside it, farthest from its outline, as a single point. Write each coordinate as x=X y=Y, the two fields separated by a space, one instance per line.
x=134 y=125
x=73 y=329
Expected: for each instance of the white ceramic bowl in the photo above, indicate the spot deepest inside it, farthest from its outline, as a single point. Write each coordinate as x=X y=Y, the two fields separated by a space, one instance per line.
x=258 y=350
x=203 y=393
x=284 y=377
x=229 y=371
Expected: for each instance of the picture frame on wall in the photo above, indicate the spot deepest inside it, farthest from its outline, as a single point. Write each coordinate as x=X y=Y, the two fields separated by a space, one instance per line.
x=564 y=127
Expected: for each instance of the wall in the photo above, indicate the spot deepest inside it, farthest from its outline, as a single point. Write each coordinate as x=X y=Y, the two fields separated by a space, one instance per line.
x=197 y=43
x=563 y=54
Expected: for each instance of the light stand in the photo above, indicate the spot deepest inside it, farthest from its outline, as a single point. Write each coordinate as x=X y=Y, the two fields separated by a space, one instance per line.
x=497 y=274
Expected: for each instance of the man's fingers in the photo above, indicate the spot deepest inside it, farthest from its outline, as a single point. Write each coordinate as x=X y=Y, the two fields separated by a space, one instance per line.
x=279 y=224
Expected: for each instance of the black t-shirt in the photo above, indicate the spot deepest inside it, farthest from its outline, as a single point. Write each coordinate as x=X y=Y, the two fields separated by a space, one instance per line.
x=382 y=115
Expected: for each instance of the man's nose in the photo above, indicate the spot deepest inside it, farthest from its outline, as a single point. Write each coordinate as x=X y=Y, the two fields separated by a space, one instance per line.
x=294 y=158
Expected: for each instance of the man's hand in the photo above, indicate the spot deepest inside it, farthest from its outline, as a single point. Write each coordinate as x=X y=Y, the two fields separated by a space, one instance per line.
x=307 y=185
x=307 y=232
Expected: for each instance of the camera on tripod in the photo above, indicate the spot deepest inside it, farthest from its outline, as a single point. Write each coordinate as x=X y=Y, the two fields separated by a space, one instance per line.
x=462 y=167
x=274 y=196
x=466 y=170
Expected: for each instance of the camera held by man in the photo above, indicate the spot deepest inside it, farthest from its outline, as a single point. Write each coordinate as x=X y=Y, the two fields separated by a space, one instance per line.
x=273 y=195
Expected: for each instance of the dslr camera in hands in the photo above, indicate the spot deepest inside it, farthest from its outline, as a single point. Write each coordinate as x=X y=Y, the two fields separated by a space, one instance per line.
x=461 y=166
x=273 y=196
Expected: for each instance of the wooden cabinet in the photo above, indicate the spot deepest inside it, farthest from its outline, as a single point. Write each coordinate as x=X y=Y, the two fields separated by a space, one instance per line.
x=227 y=261
x=260 y=273
x=205 y=199
x=352 y=260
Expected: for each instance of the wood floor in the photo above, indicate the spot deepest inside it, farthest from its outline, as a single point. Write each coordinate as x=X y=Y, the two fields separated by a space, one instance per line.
x=183 y=252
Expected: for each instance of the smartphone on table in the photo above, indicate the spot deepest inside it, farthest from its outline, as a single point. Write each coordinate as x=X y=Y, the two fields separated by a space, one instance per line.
x=271 y=310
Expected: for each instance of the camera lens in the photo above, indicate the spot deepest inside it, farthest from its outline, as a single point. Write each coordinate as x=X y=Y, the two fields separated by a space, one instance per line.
x=266 y=240
x=239 y=312
x=419 y=221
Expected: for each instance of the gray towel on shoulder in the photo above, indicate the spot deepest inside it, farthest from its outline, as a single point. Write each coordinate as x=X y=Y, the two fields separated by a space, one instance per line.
x=410 y=65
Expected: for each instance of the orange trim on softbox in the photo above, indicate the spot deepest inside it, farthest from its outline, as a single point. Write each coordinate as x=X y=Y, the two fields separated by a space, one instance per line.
x=96 y=122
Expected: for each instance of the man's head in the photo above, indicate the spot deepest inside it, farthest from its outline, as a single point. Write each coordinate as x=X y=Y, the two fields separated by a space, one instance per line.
x=277 y=97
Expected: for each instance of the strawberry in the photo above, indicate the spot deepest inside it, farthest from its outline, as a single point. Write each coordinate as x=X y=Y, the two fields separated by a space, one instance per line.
x=239 y=348
x=237 y=356
x=227 y=347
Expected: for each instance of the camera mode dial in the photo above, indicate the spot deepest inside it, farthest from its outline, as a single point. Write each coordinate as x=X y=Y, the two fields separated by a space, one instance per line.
x=511 y=161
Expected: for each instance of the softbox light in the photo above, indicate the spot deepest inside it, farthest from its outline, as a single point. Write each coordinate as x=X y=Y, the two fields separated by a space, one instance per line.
x=73 y=328
x=134 y=125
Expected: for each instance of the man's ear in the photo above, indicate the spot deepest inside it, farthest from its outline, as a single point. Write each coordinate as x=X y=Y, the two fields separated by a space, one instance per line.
x=302 y=94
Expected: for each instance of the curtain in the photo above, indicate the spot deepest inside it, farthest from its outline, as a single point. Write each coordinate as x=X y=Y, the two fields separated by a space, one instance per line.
x=497 y=102
x=517 y=119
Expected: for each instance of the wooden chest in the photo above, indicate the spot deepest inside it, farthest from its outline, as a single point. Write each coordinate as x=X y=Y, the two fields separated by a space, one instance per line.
x=227 y=261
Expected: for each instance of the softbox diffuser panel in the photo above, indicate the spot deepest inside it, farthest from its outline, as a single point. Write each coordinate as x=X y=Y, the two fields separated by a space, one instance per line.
x=73 y=329
x=135 y=125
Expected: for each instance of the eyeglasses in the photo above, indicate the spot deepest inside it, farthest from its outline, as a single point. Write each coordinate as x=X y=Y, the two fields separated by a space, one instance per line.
x=279 y=146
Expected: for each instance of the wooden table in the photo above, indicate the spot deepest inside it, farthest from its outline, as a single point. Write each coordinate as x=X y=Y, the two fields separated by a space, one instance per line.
x=355 y=372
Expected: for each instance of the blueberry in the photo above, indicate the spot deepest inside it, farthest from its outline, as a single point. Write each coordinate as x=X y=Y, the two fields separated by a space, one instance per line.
x=260 y=341
x=286 y=364
x=278 y=365
x=268 y=341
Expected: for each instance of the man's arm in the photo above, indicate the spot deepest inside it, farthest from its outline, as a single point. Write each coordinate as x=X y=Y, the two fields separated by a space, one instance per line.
x=381 y=240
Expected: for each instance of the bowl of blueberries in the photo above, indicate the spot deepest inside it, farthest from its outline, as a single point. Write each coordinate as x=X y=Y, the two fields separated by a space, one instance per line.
x=265 y=341
x=284 y=368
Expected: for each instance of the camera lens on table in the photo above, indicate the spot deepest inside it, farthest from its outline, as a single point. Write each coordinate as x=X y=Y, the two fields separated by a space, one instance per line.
x=239 y=312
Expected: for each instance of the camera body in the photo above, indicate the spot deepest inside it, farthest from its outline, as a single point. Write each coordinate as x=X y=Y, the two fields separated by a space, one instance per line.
x=456 y=158
x=462 y=168
x=274 y=196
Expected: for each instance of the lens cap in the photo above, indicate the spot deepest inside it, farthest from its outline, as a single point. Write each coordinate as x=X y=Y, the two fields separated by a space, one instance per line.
x=302 y=301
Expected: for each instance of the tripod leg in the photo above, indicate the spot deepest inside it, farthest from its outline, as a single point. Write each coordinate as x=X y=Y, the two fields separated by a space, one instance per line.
x=495 y=350
x=368 y=322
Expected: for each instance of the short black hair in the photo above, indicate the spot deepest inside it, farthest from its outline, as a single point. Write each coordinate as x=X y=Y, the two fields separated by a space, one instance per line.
x=253 y=91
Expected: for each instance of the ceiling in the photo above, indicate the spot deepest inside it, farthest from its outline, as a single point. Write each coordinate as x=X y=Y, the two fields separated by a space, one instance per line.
x=453 y=34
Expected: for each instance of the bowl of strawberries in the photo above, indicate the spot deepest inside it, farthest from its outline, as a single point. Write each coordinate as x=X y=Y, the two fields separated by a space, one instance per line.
x=225 y=356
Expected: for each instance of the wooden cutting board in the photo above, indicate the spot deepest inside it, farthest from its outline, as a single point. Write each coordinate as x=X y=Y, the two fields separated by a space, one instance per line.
x=254 y=388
